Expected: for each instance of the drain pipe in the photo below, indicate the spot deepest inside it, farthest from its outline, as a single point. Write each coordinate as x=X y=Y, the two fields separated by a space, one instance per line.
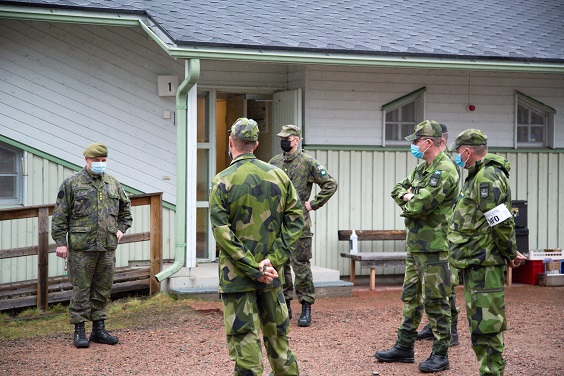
x=192 y=76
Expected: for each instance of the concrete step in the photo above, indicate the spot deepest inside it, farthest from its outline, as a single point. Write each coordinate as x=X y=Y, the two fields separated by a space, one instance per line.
x=202 y=282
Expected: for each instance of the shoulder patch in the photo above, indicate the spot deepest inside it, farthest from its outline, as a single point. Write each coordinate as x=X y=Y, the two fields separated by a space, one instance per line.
x=61 y=195
x=484 y=190
x=322 y=170
x=435 y=178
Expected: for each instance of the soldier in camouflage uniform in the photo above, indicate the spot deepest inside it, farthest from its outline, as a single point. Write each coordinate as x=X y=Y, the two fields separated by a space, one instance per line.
x=425 y=198
x=482 y=242
x=304 y=171
x=427 y=333
x=92 y=212
x=256 y=219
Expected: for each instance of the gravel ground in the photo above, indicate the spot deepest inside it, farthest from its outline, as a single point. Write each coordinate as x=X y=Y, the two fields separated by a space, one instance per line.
x=346 y=332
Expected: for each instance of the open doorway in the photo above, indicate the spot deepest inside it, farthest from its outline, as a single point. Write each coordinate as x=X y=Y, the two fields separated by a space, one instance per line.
x=230 y=107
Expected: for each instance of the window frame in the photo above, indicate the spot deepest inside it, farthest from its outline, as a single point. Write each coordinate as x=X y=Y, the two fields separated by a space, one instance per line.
x=549 y=127
x=417 y=96
x=18 y=200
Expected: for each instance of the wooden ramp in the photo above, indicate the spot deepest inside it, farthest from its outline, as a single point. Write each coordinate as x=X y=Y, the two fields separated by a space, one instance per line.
x=24 y=294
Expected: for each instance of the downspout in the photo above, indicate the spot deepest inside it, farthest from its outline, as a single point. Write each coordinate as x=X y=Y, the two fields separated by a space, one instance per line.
x=181 y=183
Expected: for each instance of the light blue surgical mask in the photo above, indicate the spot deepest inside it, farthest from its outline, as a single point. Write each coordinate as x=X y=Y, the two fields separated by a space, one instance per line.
x=416 y=152
x=98 y=167
x=459 y=161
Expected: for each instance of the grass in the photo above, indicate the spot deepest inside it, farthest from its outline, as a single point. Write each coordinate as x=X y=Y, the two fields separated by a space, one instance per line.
x=123 y=313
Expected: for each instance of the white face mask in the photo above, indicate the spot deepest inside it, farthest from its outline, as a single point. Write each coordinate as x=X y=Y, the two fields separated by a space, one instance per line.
x=98 y=167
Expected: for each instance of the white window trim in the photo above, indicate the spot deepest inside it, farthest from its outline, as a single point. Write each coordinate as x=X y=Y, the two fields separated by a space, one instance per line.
x=419 y=95
x=550 y=131
x=20 y=187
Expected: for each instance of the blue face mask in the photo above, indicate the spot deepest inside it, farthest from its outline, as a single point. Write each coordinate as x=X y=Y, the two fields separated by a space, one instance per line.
x=416 y=152
x=459 y=161
x=98 y=167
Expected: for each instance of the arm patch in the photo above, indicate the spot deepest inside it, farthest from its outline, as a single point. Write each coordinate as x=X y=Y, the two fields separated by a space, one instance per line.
x=485 y=190
x=61 y=195
x=435 y=178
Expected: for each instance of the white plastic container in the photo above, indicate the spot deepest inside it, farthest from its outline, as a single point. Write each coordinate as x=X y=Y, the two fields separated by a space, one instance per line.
x=353 y=243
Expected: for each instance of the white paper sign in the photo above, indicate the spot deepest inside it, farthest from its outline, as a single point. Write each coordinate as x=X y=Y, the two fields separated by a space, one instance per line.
x=497 y=215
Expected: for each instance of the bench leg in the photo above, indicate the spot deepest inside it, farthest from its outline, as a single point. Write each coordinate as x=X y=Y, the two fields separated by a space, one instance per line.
x=509 y=276
x=372 y=279
x=352 y=276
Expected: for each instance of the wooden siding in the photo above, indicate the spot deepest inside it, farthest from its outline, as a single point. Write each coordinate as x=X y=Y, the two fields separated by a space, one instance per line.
x=363 y=200
x=64 y=86
x=44 y=179
x=343 y=104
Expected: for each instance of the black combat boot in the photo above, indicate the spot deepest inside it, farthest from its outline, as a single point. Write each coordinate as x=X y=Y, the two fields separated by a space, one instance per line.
x=289 y=308
x=305 y=318
x=396 y=354
x=434 y=363
x=425 y=333
x=100 y=335
x=79 y=339
x=453 y=334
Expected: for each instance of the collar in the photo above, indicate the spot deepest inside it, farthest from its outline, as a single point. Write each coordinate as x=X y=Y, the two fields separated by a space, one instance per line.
x=291 y=157
x=433 y=166
x=241 y=157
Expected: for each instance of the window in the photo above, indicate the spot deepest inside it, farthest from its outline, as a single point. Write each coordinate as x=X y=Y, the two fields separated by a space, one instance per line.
x=401 y=116
x=10 y=176
x=534 y=122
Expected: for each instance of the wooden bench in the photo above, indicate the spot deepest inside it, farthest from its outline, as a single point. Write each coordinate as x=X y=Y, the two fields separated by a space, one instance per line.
x=373 y=259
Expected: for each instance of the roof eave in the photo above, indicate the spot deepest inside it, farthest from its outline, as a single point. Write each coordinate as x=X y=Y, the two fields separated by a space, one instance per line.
x=363 y=59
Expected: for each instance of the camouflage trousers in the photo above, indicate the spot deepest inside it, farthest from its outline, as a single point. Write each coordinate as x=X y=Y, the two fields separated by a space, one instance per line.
x=245 y=314
x=299 y=262
x=485 y=308
x=426 y=285
x=452 y=298
x=91 y=275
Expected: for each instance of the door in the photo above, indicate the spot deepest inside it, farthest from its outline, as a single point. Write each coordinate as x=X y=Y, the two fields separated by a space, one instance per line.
x=286 y=109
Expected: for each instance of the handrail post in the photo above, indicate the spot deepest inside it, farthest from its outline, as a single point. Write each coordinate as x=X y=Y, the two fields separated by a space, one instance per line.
x=156 y=242
x=43 y=258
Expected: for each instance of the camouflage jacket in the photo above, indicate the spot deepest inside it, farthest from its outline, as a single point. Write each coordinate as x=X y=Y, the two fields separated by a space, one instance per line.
x=255 y=214
x=435 y=188
x=304 y=171
x=90 y=210
x=471 y=239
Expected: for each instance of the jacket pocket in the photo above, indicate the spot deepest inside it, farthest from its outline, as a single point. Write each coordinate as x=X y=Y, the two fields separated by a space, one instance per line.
x=80 y=238
x=111 y=238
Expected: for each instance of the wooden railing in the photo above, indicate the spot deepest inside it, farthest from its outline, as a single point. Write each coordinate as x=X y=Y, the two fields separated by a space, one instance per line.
x=43 y=248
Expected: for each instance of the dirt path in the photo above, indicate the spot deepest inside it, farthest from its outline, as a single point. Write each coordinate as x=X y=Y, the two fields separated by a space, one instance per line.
x=342 y=340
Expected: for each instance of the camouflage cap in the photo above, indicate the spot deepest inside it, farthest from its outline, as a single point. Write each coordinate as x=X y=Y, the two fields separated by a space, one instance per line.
x=469 y=137
x=96 y=150
x=245 y=129
x=290 y=130
x=429 y=128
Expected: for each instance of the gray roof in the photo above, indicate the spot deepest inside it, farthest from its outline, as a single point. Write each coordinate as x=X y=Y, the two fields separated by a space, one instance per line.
x=524 y=30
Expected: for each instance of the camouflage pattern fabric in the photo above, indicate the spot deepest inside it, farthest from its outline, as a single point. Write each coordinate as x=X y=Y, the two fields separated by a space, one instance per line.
x=255 y=214
x=244 y=315
x=304 y=171
x=301 y=265
x=435 y=187
x=472 y=241
x=90 y=209
x=427 y=280
x=482 y=252
x=485 y=308
x=91 y=275
x=88 y=212
x=426 y=285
